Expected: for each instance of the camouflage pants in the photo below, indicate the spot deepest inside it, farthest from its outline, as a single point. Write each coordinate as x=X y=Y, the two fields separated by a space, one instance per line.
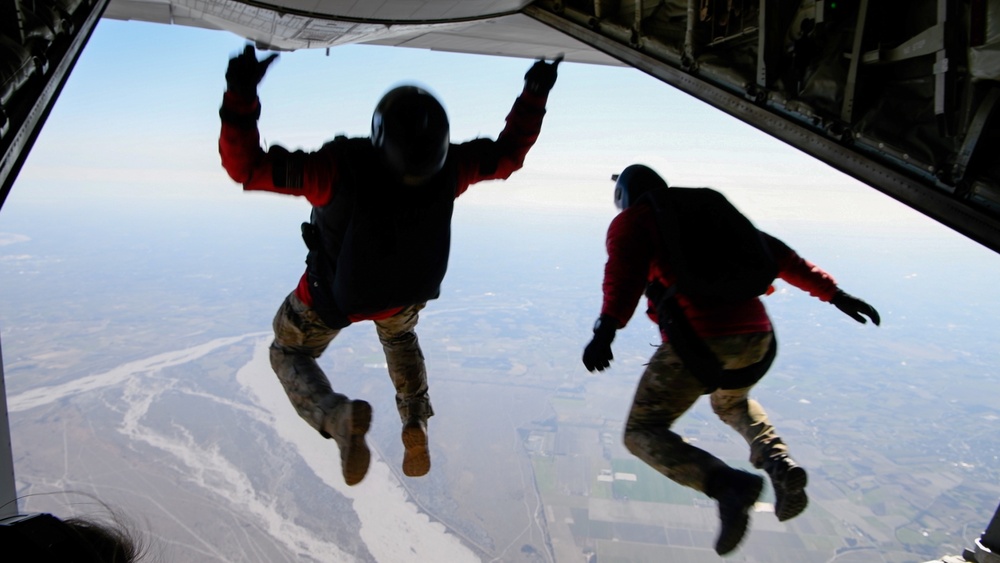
x=667 y=390
x=300 y=337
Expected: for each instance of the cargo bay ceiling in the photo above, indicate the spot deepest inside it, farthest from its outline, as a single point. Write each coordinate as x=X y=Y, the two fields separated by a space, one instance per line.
x=900 y=94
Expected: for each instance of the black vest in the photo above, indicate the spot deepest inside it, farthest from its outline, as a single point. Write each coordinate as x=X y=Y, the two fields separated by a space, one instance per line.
x=377 y=244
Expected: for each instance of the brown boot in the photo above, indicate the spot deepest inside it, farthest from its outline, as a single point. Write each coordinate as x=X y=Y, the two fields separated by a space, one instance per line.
x=417 y=456
x=353 y=420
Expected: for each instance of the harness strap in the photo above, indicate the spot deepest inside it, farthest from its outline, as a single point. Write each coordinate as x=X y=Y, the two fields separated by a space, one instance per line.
x=693 y=350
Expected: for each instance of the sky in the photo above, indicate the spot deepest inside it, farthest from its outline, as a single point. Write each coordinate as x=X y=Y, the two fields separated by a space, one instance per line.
x=137 y=125
x=142 y=102
x=136 y=129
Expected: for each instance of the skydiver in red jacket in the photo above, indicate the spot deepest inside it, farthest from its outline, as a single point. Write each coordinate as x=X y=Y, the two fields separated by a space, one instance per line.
x=378 y=239
x=740 y=336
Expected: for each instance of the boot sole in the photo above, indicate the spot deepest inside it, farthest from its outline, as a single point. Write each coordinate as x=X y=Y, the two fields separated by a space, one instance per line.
x=790 y=495
x=416 y=457
x=356 y=457
x=795 y=480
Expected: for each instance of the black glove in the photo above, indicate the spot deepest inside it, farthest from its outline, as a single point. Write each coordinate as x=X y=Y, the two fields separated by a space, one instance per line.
x=597 y=355
x=245 y=72
x=854 y=307
x=541 y=76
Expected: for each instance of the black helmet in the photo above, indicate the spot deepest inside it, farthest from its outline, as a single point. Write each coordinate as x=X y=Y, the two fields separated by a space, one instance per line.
x=410 y=131
x=634 y=181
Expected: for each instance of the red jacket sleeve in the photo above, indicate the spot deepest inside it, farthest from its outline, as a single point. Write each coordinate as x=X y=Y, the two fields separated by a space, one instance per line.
x=800 y=272
x=310 y=175
x=485 y=159
x=631 y=250
x=635 y=257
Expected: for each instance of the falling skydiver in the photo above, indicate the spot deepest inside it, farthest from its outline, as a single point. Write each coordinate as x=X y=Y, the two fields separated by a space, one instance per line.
x=735 y=333
x=378 y=239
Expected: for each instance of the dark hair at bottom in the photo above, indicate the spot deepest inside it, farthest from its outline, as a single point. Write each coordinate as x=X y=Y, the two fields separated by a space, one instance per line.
x=112 y=543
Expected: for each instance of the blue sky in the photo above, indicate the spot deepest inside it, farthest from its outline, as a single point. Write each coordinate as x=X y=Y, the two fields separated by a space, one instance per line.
x=137 y=125
x=142 y=102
